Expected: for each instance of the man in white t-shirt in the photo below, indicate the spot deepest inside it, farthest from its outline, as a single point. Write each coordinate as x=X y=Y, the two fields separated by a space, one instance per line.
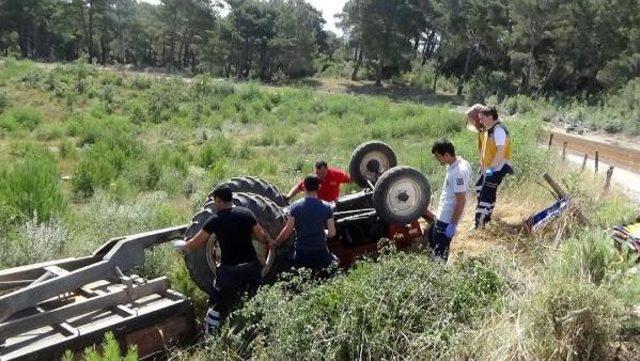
x=453 y=198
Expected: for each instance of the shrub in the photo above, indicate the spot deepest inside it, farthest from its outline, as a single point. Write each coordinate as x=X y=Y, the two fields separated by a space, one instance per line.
x=31 y=186
x=215 y=150
x=50 y=131
x=33 y=242
x=4 y=100
x=140 y=83
x=163 y=101
x=21 y=117
x=613 y=126
x=106 y=95
x=67 y=149
x=90 y=130
x=33 y=78
x=403 y=305
x=103 y=217
x=475 y=92
x=103 y=161
x=223 y=88
x=571 y=319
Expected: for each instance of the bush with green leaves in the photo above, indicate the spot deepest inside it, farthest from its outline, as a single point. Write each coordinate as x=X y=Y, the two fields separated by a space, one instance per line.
x=31 y=186
x=163 y=100
x=21 y=117
x=104 y=216
x=102 y=162
x=214 y=151
x=405 y=304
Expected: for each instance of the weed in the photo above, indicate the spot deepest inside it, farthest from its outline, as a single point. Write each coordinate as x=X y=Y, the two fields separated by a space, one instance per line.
x=109 y=350
x=30 y=186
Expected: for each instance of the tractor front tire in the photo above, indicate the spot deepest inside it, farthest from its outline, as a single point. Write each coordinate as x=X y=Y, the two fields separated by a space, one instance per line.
x=369 y=161
x=401 y=195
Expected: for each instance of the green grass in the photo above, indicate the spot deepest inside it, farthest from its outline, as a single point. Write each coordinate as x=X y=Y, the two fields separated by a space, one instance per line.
x=143 y=154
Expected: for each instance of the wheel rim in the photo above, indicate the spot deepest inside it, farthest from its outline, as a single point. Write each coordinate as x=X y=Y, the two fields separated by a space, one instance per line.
x=380 y=158
x=404 y=196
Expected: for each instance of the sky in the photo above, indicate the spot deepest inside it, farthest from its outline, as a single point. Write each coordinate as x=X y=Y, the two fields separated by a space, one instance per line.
x=328 y=8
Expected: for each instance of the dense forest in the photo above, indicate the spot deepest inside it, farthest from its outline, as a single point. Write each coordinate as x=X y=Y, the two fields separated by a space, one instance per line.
x=533 y=47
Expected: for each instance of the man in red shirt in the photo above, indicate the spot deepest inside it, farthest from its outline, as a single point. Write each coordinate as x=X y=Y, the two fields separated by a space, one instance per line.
x=330 y=180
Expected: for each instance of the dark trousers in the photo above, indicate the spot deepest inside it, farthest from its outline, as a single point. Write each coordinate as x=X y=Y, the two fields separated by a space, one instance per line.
x=231 y=283
x=487 y=189
x=315 y=259
x=438 y=241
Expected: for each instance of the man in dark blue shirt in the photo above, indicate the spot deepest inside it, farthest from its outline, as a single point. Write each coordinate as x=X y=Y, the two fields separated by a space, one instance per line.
x=239 y=271
x=310 y=217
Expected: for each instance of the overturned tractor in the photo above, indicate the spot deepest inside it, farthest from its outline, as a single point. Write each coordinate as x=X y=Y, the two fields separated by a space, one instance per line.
x=389 y=205
x=69 y=304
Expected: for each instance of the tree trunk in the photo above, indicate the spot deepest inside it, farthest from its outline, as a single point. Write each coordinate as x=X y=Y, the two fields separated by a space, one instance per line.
x=356 y=67
x=429 y=46
x=164 y=49
x=527 y=77
x=104 y=47
x=91 y=54
x=465 y=73
x=425 y=48
x=379 y=72
x=185 y=56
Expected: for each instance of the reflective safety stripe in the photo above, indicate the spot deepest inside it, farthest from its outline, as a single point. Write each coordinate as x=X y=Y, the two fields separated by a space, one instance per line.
x=211 y=320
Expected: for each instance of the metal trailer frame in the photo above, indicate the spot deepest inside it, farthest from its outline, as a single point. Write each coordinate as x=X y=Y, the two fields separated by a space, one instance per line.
x=64 y=302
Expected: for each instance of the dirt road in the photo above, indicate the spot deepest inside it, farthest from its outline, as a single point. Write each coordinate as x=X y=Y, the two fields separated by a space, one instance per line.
x=618 y=156
x=626 y=161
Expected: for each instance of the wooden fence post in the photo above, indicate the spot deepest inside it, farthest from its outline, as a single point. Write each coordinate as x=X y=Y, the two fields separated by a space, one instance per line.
x=564 y=150
x=597 y=160
x=584 y=162
x=550 y=140
x=607 y=183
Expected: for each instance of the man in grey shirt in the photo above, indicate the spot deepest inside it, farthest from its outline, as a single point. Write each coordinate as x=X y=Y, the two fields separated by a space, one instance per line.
x=453 y=198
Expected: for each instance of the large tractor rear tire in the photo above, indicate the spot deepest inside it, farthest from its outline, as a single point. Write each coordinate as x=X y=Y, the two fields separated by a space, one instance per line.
x=248 y=184
x=369 y=161
x=401 y=195
x=201 y=263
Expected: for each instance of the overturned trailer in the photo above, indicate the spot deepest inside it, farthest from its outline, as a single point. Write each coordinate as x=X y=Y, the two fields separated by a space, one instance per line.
x=69 y=304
